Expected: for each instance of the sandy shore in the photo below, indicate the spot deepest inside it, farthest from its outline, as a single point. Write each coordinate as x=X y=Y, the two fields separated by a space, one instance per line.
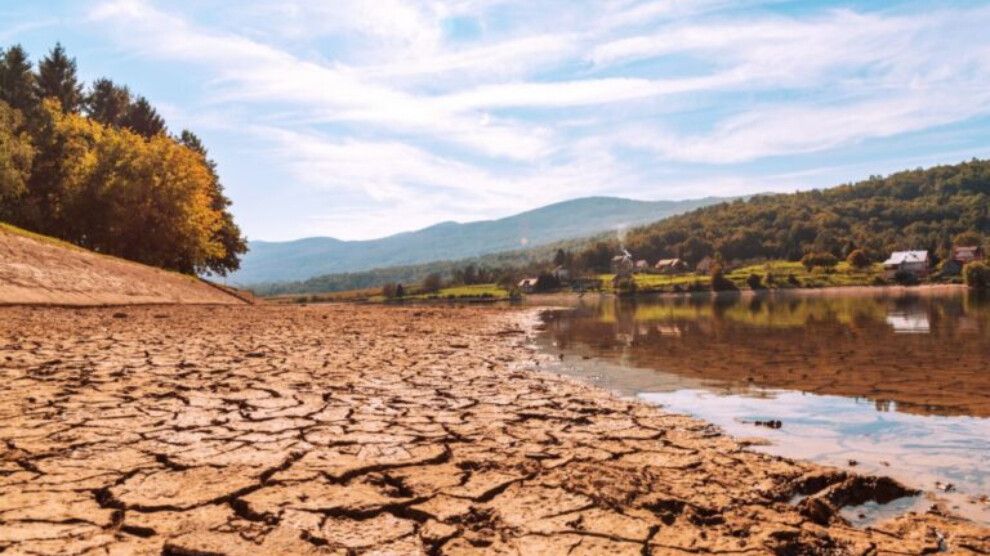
x=344 y=430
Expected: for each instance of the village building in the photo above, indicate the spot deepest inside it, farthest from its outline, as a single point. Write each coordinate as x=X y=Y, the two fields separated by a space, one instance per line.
x=912 y=262
x=961 y=256
x=671 y=266
x=642 y=265
x=527 y=285
x=966 y=254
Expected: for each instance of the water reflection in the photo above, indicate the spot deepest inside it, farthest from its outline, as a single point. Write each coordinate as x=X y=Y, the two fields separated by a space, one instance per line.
x=898 y=383
x=927 y=353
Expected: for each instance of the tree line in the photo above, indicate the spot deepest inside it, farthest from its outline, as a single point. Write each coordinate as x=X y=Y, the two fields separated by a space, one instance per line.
x=98 y=167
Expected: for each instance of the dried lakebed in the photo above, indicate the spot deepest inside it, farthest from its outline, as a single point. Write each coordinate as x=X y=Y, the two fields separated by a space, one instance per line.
x=348 y=430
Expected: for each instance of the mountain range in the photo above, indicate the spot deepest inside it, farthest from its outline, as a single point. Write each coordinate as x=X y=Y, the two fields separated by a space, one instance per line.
x=268 y=262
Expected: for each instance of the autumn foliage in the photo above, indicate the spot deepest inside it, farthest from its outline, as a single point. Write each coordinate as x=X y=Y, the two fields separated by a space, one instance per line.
x=125 y=188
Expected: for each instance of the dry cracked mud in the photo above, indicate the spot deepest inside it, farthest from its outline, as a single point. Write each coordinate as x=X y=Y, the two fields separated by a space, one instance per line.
x=372 y=430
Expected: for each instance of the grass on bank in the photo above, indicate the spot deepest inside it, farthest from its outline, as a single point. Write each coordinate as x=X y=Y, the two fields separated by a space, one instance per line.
x=781 y=271
x=472 y=292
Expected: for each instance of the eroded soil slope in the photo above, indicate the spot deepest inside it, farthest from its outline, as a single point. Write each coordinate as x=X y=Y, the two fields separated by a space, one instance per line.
x=350 y=430
x=38 y=271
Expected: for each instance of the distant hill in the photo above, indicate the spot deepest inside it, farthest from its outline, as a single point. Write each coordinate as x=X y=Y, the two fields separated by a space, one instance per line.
x=268 y=262
x=40 y=270
x=913 y=209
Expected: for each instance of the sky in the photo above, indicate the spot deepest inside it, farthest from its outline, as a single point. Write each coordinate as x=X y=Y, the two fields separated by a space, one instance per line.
x=363 y=118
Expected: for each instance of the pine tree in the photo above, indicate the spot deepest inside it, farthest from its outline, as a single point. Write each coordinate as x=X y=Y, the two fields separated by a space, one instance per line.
x=108 y=103
x=143 y=119
x=17 y=80
x=57 y=79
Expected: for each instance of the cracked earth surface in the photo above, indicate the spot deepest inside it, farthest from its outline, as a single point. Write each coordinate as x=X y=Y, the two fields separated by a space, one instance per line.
x=373 y=430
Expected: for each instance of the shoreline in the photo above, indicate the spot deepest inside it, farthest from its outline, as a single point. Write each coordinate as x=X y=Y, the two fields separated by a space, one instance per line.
x=406 y=429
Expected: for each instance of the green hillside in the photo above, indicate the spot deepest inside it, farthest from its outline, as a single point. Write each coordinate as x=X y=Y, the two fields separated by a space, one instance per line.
x=915 y=209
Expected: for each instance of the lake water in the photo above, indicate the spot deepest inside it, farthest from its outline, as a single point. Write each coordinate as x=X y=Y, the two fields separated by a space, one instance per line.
x=896 y=384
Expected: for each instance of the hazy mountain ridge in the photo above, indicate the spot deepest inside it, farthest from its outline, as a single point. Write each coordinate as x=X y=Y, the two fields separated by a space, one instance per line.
x=268 y=262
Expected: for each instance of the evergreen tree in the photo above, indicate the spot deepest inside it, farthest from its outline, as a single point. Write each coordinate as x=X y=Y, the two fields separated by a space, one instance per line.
x=107 y=103
x=57 y=79
x=143 y=119
x=17 y=81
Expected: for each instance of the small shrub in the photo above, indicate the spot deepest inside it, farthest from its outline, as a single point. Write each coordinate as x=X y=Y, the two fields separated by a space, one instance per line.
x=977 y=275
x=546 y=282
x=720 y=283
x=905 y=278
x=793 y=280
x=391 y=291
x=823 y=260
x=755 y=282
x=432 y=283
x=858 y=259
x=878 y=281
x=625 y=285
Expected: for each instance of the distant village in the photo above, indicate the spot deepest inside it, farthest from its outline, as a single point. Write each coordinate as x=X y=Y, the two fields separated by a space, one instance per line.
x=901 y=267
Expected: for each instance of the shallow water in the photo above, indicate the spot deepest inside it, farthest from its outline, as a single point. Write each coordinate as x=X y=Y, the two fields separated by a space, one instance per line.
x=889 y=384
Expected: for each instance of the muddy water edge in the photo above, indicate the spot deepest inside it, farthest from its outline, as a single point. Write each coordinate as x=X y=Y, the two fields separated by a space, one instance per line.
x=894 y=384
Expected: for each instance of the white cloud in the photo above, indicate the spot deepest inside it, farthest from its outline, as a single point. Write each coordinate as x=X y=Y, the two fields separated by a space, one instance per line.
x=377 y=99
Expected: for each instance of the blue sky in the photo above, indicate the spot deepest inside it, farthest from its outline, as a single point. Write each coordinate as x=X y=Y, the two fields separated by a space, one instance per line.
x=359 y=119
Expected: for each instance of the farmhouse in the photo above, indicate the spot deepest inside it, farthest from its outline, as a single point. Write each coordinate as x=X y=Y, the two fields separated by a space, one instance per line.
x=961 y=256
x=527 y=285
x=913 y=262
x=642 y=265
x=964 y=255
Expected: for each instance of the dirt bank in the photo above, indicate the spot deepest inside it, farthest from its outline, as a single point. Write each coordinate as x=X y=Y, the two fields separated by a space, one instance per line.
x=39 y=271
x=343 y=430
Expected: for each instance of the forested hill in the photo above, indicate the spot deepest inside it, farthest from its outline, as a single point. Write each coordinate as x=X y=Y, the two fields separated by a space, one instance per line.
x=577 y=218
x=916 y=209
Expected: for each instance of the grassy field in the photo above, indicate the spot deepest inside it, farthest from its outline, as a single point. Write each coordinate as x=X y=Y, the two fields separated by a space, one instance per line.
x=841 y=275
x=452 y=293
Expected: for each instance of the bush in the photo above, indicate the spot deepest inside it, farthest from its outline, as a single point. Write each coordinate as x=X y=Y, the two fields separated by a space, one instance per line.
x=625 y=285
x=905 y=278
x=432 y=283
x=720 y=283
x=858 y=259
x=823 y=260
x=878 y=281
x=388 y=291
x=546 y=282
x=793 y=280
x=755 y=282
x=977 y=275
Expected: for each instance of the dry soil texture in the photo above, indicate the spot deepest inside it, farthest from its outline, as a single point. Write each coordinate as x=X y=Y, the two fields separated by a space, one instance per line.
x=35 y=270
x=354 y=430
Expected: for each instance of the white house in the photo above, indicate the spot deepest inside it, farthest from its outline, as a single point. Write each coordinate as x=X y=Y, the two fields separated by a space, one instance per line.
x=527 y=285
x=915 y=262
